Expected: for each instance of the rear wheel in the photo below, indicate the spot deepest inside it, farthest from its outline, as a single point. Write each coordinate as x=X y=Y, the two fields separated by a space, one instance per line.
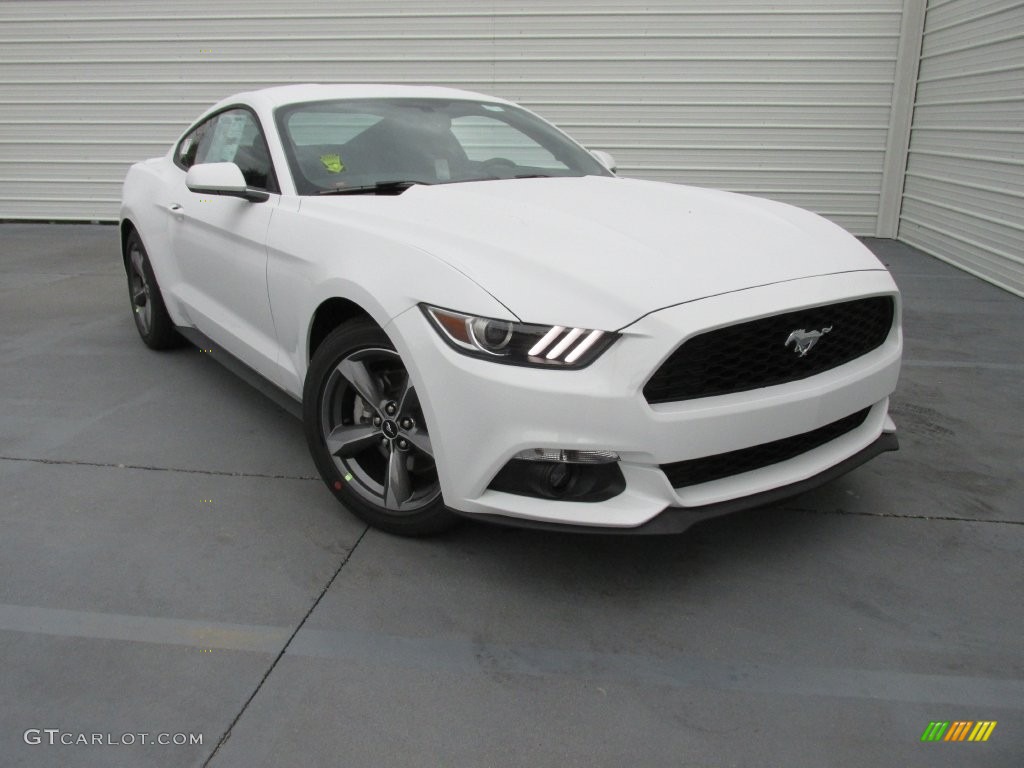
x=154 y=325
x=366 y=432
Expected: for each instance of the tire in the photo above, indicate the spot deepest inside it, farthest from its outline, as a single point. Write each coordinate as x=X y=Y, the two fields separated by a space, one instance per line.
x=148 y=309
x=366 y=432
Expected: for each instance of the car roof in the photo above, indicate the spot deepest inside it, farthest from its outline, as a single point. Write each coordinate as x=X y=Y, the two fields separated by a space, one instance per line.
x=293 y=94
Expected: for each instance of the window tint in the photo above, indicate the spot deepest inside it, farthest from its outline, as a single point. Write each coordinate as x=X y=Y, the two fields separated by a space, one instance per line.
x=235 y=137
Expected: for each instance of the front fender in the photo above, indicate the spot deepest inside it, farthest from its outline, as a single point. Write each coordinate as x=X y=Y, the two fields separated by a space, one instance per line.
x=144 y=199
x=313 y=259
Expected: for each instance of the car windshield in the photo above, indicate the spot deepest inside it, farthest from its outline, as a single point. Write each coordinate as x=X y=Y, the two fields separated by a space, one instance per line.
x=358 y=144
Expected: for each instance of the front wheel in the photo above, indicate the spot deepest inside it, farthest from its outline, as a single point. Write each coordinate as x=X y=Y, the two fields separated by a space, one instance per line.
x=366 y=432
x=152 y=321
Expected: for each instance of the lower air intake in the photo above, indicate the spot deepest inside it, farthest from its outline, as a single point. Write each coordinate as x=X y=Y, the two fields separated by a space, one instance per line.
x=696 y=471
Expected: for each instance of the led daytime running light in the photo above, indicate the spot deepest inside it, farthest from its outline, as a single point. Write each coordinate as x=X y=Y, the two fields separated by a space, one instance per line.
x=519 y=343
x=566 y=343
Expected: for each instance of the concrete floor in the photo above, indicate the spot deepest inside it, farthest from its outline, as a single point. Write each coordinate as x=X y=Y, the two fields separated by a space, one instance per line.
x=169 y=564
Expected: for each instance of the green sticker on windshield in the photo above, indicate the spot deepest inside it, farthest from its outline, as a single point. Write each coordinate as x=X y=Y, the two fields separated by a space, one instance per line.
x=332 y=163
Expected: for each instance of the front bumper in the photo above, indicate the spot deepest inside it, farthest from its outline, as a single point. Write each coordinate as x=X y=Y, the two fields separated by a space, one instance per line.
x=482 y=414
x=678 y=519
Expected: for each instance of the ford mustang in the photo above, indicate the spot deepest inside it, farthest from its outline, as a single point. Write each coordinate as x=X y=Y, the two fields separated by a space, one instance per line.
x=476 y=317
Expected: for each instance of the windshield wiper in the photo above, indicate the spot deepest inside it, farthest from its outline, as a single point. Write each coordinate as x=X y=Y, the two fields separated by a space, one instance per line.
x=379 y=188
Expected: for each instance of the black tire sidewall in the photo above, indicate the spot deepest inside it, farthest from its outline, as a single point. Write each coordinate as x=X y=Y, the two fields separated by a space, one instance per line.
x=161 y=333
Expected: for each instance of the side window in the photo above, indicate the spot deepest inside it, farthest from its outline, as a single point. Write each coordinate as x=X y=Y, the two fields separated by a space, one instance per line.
x=235 y=137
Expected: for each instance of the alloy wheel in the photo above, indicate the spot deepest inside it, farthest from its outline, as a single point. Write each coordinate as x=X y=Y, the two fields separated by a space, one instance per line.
x=372 y=424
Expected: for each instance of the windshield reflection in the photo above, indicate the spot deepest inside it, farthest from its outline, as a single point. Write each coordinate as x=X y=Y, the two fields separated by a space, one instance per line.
x=362 y=144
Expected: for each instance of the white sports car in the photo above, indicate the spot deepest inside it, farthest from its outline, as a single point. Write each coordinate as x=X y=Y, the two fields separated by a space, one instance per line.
x=480 y=319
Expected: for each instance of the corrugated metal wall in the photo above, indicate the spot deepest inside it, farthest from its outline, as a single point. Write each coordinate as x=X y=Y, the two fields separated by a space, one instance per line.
x=964 y=193
x=788 y=99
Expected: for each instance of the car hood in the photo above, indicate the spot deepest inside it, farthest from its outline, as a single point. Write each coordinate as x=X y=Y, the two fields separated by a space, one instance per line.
x=601 y=252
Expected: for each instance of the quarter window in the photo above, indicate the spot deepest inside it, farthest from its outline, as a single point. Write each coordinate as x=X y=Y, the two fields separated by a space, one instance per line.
x=185 y=156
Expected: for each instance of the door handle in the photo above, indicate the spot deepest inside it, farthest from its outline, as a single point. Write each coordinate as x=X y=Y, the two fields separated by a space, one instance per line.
x=177 y=210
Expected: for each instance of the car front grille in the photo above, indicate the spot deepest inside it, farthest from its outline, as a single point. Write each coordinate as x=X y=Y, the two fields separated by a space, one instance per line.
x=703 y=470
x=756 y=353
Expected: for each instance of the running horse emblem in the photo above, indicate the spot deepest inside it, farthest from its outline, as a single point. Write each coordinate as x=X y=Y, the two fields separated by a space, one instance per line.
x=804 y=341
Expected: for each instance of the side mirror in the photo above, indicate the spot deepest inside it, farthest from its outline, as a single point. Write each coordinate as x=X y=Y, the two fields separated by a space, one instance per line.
x=222 y=179
x=604 y=159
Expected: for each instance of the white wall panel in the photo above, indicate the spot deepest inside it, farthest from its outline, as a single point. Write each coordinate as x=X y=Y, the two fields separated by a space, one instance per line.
x=964 y=189
x=789 y=99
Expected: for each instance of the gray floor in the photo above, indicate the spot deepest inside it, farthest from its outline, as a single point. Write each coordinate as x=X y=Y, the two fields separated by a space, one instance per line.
x=168 y=564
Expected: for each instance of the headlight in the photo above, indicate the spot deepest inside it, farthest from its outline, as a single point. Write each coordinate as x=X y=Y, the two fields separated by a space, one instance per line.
x=519 y=343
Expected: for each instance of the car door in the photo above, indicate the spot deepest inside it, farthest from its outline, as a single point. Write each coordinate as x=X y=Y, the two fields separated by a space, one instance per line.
x=219 y=242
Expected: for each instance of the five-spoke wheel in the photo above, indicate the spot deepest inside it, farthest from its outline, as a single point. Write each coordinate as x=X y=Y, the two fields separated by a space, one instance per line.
x=367 y=433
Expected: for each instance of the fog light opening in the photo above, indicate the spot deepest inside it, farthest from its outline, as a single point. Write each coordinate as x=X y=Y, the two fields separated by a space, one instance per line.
x=596 y=477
